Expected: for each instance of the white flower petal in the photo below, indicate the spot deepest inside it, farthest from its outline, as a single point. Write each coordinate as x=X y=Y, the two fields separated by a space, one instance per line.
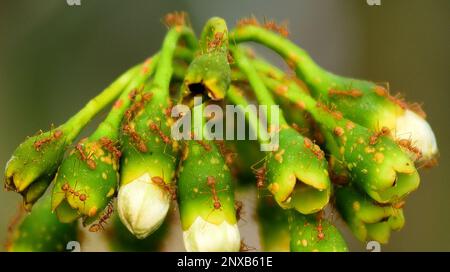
x=203 y=236
x=142 y=206
x=411 y=126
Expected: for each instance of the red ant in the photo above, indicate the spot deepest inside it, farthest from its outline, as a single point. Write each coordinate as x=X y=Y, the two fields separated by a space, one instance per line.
x=315 y=149
x=260 y=175
x=90 y=163
x=133 y=94
x=351 y=93
x=417 y=108
x=155 y=128
x=56 y=135
x=320 y=234
x=217 y=41
x=99 y=226
x=408 y=145
x=211 y=181
x=111 y=147
x=238 y=206
x=137 y=106
x=273 y=26
x=227 y=154
x=140 y=144
x=299 y=129
x=247 y=21
x=244 y=247
x=336 y=114
x=66 y=188
x=430 y=163
x=175 y=19
x=166 y=187
x=385 y=131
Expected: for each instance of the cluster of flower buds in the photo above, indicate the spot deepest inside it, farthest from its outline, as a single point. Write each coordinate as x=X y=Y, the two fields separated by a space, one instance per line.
x=341 y=145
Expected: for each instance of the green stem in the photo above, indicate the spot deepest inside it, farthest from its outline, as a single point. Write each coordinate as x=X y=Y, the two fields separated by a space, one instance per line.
x=164 y=68
x=75 y=124
x=262 y=93
x=305 y=67
x=110 y=126
x=236 y=97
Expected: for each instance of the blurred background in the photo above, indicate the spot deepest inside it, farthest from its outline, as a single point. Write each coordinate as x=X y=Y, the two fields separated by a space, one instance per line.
x=54 y=57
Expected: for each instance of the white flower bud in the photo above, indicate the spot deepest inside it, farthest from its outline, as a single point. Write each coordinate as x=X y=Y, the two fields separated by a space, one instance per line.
x=142 y=206
x=203 y=236
x=411 y=126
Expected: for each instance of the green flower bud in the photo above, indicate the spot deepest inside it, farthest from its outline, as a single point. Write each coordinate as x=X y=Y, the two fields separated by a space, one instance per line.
x=149 y=154
x=41 y=231
x=367 y=219
x=86 y=180
x=312 y=233
x=35 y=159
x=376 y=163
x=206 y=200
x=297 y=173
x=209 y=73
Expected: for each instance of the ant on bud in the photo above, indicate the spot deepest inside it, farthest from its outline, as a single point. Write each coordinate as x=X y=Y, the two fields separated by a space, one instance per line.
x=166 y=187
x=86 y=158
x=139 y=143
x=352 y=93
x=407 y=144
x=320 y=234
x=385 y=131
x=56 y=135
x=211 y=181
x=155 y=128
x=99 y=226
x=109 y=145
x=66 y=188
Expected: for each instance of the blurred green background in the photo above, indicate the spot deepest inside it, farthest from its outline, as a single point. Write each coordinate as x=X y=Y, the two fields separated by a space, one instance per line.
x=54 y=57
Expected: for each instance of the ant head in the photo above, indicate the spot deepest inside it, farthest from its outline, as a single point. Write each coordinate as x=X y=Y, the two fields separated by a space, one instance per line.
x=320 y=235
x=385 y=130
x=217 y=205
x=83 y=197
x=153 y=126
x=65 y=187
